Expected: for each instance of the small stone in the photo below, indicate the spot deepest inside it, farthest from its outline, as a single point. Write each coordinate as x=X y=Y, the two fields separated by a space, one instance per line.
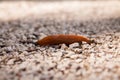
x=74 y=45
x=11 y=61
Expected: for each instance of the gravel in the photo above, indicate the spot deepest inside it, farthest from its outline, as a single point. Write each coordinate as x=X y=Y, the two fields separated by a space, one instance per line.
x=22 y=59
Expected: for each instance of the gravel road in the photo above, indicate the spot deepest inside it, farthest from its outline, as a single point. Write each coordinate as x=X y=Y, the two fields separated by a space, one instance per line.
x=22 y=59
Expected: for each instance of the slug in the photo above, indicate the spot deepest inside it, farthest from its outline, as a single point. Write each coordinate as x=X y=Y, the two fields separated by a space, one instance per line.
x=61 y=38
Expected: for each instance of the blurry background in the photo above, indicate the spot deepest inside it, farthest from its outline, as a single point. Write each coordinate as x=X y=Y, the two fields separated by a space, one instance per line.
x=82 y=9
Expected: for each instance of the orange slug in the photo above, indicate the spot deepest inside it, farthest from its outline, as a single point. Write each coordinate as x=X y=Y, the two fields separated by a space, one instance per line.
x=61 y=38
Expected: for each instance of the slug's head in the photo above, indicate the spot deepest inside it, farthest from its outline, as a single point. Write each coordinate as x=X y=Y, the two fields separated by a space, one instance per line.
x=92 y=41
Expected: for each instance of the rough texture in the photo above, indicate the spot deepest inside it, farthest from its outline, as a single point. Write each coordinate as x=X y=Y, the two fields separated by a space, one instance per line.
x=22 y=59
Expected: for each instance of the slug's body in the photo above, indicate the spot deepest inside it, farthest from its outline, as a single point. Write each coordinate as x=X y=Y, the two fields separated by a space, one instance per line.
x=60 y=39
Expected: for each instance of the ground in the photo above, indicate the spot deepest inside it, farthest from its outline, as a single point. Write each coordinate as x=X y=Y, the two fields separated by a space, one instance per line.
x=23 y=23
